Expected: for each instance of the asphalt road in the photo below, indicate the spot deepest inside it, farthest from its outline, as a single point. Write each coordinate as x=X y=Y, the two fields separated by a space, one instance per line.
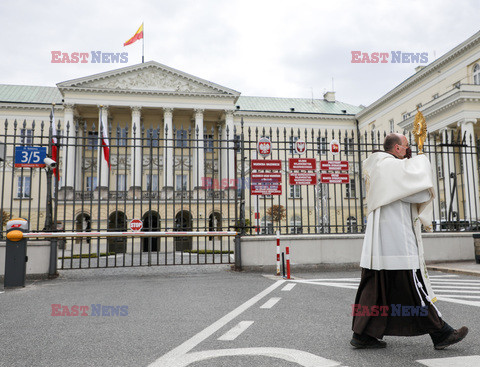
x=210 y=316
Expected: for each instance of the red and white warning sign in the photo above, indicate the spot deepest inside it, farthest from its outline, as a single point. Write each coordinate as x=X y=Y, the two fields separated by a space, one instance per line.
x=335 y=178
x=307 y=164
x=303 y=178
x=136 y=225
x=334 y=165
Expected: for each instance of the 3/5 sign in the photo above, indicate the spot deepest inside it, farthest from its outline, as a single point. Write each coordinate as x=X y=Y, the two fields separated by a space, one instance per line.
x=30 y=156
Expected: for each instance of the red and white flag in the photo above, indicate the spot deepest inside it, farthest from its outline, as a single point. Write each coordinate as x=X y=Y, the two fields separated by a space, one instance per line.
x=54 y=144
x=105 y=143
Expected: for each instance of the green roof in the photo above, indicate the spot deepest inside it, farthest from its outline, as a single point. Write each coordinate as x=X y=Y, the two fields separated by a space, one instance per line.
x=300 y=105
x=29 y=94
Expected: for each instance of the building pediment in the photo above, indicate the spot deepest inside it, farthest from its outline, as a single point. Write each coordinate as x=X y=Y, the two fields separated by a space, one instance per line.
x=150 y=77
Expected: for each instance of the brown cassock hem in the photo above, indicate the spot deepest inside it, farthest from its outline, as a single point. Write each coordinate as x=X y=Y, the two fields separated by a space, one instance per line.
x=387 y=288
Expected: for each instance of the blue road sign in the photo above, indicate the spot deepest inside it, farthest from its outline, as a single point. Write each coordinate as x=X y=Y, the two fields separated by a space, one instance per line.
x=30 y=156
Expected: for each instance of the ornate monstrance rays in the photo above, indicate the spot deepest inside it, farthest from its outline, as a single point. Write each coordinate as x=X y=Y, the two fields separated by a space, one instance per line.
x=419 y=130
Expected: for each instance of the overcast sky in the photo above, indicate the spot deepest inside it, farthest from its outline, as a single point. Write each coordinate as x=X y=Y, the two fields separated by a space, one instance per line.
x=259 y=48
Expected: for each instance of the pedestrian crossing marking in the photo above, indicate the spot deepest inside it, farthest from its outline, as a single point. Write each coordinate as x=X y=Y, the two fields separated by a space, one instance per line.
x=464 y=361
x=448 y=288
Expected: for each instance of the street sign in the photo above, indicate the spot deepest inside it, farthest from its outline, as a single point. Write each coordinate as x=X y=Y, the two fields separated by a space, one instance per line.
x=136 y=225
x=307 y=164
x=266 y=164
x=334 y=165
x=264 y=147
x=300 y=146
x=30 y=156
x=334 y=147
x=266 y=177
x=335 y=178
x=303 y=178
x=266 y=188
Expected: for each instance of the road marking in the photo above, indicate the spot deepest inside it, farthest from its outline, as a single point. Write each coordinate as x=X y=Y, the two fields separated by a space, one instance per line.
x=169 y=358
x=464 y=361
x=288 y=287
x=271 y=302
x=234 y=332
x=304 y=359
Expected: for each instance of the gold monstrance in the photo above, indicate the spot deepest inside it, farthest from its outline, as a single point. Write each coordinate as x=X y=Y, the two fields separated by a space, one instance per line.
x=419 y=130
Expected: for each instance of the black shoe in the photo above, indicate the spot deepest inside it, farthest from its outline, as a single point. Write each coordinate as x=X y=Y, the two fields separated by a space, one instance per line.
x=366 y=342
x=454 y=337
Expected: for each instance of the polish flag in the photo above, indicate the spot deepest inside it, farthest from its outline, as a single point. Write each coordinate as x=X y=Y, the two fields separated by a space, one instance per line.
x=54 y=144
x=105 y=143
x=138 y=35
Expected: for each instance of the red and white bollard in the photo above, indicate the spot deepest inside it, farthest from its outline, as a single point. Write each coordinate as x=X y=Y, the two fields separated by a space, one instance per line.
x=257 y=223
x=278 y=252
x=287 y=250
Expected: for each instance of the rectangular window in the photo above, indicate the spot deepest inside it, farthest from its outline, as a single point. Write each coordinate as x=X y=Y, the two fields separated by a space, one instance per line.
x=350 y=189
x=392 y=125
x=295 y=191
x=26 y=137
x=23 y=187
x=121 y=137
x=152 y=183
x=121 y=182
x=293 y=139
x=349 y=146
x=91 y=183
x=182 y=139
x=92 y=142
x=208 y=143
x=181 y=183
x=405 y=116
x=439 y=166
x=322 y=145
x=152 y=138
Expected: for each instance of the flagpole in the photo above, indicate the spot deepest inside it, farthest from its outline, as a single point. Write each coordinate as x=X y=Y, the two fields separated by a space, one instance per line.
x=143 y=42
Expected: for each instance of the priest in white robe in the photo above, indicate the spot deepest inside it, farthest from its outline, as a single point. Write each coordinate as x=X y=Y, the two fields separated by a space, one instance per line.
x=394 y=296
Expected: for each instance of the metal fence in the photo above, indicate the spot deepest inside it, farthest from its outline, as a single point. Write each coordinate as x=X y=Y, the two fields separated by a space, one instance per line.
x=191 y=180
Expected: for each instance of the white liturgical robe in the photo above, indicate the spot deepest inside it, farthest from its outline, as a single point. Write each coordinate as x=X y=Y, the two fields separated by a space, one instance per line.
x=399 y=201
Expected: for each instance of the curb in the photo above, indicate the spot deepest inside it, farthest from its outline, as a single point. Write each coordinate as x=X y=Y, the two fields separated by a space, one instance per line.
x=453 y=270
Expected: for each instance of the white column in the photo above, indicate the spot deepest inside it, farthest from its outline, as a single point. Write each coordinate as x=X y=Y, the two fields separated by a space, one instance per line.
x=136 y=151
x=198 y=153
x=448 y=159
x=168 y=174
x=103 y=169
x=68 y=173
x=228 y=154
x=470 y=170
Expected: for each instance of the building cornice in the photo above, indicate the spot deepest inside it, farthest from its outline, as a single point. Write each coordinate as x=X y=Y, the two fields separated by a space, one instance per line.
x=424 y=73
x=295 y=115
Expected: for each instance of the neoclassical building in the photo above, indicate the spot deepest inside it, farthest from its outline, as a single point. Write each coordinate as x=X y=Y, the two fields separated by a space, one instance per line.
x=174 y=146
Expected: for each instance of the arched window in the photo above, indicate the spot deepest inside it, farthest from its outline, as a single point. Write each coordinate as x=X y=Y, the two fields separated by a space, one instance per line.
x=476 y=74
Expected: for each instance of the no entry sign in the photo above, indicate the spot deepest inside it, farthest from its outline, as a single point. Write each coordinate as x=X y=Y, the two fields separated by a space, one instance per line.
x=303 y=178
x=136 y=225
x=335 y=178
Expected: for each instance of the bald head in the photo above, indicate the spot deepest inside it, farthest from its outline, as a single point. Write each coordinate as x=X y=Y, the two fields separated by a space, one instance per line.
x=391 y=140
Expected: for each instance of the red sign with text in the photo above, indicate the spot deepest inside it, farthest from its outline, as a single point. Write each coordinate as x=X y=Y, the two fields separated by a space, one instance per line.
x=334 y=165
x=303 y=178
x=266 y=177
x=266 y=188
x=267 y=164
x=136 y=225
x=307 y=164
x=335 y=178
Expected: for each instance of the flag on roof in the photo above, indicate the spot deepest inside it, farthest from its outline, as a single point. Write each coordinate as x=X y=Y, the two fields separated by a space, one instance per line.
x=138 y=35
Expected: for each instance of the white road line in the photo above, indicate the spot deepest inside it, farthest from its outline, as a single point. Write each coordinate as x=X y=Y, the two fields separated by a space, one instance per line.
x=288 y=287
x=461 y=301
x=450 y=287
x=443 y=276
x=456 y=281
x=458 y=296
x=464 y=361
x=168 y=359
x=453 y=291
x=234 y=332
x=271 y=302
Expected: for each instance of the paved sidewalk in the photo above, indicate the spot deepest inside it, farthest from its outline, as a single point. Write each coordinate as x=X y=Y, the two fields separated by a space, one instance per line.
x=461 y=267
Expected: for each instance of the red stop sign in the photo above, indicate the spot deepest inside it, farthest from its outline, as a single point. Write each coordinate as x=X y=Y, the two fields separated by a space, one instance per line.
x=136 y=225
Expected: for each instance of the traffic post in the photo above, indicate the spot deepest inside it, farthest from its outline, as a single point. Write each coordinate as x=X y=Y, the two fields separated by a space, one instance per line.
x=16 y=253
x=278 y=252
